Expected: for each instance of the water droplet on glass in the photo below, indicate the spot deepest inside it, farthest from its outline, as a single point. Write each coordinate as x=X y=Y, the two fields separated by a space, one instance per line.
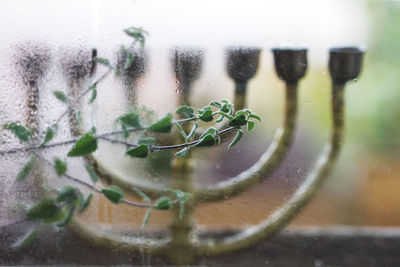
x=178 y=88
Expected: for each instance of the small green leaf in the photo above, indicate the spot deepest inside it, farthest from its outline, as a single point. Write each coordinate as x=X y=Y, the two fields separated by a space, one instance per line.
x=205 y=114
x=184 y=153
x=91 y=172
x=125 y=131
x=93 y=95
x=183 y=198
x=26 y=168
x=85 y=145
x=223 y=114
x=248 y=111
x=185 y=111
x=60 y=166
x=137 y=33
x=69 y=194
x=255 y=116
x=186 y=197
x=181 y=131
x=193 y=131
x=250 y=125
x=141 y=151
x=241 y=112
x=213 y=131
x=163 y=203
x=226 y=108
x=176 y=192
x=102 y=61
x=45 y=209
x=163 y=125
x=27 y=239
x=239 y=135
x=61 y=96
x=130 y=119
x=68 y=216
x=146 y=218
x=50 y=133
x=215 y=104
x=179 y=194
x=85 y=203
x=78 y=117
x=92 y=130
x=146 y=141
x=19 y=131
x=181 y=209
x=114 y=194
x=142 y=195
x=206 y=141
x=129 y=59
x=238 y=121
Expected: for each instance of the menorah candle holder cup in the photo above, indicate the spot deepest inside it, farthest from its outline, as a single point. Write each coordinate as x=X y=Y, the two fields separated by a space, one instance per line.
x=33 y=62
x=77 y=65
x=187 y=64
x=345 y=63
x=131 y=63
x=290 y=63
x=184 y=244
x=242 y=64
x=131 y=66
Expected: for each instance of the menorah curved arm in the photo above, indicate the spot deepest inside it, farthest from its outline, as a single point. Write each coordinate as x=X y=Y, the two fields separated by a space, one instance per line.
x=301 y=197
x=153 y=190
x=106 y=239
x=267 y=163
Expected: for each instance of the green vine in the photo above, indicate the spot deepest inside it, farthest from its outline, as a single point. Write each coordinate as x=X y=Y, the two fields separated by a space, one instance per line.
x=70 y=200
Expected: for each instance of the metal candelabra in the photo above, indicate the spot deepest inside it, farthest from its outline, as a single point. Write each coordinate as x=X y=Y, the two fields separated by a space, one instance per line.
x=182 y=244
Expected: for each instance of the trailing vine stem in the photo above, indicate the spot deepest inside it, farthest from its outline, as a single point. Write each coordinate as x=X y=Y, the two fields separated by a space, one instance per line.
x=152 y=147
x=95 y=189
x=105 y=137
x=60 y=209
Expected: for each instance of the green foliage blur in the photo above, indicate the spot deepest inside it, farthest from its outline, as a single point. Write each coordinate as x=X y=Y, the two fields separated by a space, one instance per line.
x=377 y=107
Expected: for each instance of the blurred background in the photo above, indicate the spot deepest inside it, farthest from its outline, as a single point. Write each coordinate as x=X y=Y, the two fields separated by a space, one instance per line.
x=364 y=187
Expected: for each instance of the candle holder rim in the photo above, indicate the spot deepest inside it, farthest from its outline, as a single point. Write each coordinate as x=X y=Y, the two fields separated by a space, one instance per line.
x=243 y=47
x=187 y=49
x=289 y=49
x=348 y=50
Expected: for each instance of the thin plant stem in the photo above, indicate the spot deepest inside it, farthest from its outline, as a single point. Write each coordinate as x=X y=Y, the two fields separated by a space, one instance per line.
x=152 y=148
x=104 y=136
x=93 y=188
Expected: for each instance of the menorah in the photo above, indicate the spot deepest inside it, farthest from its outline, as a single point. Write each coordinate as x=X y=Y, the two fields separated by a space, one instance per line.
x=182 y=243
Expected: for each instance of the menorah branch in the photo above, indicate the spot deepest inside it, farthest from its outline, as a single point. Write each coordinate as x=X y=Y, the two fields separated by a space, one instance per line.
x=300 y=198
x=179 y=241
